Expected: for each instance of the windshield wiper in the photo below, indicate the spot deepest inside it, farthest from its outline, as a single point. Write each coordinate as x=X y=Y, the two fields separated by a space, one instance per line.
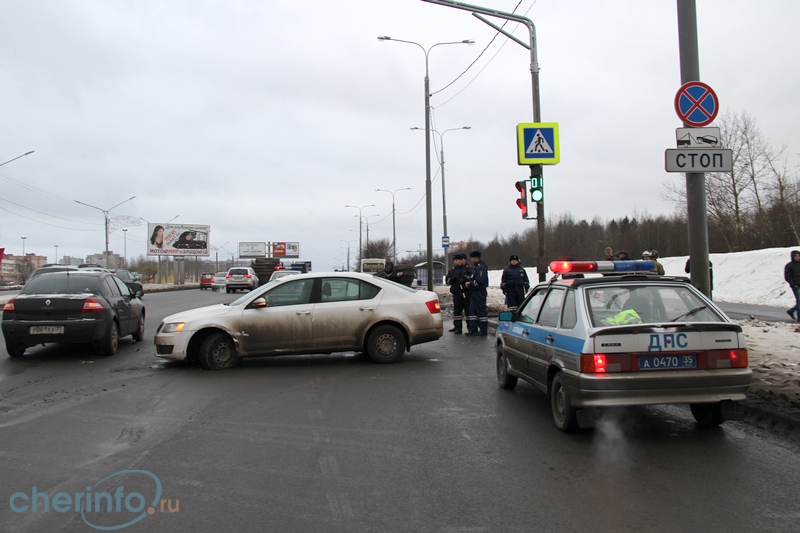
x=689 y=313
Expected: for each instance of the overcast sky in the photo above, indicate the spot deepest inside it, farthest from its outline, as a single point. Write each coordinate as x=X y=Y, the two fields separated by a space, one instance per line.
x=263 y=119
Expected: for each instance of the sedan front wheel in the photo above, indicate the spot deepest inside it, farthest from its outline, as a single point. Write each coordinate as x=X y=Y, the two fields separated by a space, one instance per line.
x=218 y=352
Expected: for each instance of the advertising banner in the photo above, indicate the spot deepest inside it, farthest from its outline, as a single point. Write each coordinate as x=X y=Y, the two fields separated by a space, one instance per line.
x=252 y=249
x=285 y=249
x=185 y=240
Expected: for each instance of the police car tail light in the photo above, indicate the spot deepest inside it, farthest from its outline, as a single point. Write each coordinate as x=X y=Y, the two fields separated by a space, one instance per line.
x=434 y=306
x=600 y=363
x=564 y=267
x=727 y=359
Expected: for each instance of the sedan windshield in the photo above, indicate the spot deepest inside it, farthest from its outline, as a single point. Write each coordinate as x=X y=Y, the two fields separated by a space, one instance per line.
x=62 y=284
x=631 y=304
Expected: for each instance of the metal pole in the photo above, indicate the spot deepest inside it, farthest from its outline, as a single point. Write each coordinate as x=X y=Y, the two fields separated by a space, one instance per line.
x=428 y=207
x=56 y=247
x=394 y=235
x=695 y=181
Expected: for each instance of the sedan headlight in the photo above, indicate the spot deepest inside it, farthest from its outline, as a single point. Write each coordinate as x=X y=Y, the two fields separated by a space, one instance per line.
x=172 y=327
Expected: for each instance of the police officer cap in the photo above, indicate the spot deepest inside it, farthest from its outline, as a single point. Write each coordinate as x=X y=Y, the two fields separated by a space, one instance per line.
x=646 y=253
x=513 y=258
x=475 y=253
x=459 y=256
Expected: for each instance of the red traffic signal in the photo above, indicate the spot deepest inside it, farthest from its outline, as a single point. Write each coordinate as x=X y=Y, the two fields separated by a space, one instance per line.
x=522 y=201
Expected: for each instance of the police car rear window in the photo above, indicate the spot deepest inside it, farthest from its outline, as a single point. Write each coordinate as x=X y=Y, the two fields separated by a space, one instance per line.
x=637 y=304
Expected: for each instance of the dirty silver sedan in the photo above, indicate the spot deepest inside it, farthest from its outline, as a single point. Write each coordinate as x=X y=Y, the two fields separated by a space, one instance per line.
x=309 y=314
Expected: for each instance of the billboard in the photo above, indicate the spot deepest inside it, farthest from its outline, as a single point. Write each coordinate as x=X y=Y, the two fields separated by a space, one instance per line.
x=178 y=239
x=252 y=249
x=285 y=249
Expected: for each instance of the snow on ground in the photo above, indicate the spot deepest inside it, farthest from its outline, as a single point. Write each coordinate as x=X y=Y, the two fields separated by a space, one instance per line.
x=754 y=277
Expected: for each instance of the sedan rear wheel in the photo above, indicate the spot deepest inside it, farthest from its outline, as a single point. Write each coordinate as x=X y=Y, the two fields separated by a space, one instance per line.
x=707 y=414
x=564 y=415
x=218 y=352
x=138 y=335
x=111 y=343
x=15 y=349
x=386 y=344
x=505 y=380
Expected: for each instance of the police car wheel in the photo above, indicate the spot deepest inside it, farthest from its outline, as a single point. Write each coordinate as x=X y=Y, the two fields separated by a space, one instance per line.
x=707 y=414
x=505 y=380
x=218 y=352
x=564 y=415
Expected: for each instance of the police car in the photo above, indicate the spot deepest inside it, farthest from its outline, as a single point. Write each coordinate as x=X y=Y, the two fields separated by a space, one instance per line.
x=623 y=338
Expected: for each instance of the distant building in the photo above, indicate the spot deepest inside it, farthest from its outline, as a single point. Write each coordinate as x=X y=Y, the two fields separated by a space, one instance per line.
x=114 y=260
x=11 y=269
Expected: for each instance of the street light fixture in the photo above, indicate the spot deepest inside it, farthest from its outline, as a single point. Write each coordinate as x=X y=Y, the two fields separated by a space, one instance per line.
x=441 y=162
x=394 y=233
x=105 y=216
x=359 y=226
x=10 y=160
x=428 y=208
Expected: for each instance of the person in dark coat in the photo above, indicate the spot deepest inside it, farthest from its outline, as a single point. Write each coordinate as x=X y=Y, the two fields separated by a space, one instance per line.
x=791 y=273
x=514 y=283
x=478 y=316
x=457 y=278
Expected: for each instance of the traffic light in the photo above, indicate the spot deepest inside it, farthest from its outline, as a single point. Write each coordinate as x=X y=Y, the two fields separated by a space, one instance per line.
x=522 y=201
x=537 y=189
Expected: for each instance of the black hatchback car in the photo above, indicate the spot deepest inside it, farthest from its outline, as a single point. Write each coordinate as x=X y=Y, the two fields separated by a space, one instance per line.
x=73 y=307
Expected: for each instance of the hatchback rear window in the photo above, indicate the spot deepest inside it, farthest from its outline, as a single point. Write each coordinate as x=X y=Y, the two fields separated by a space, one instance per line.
x=62 y=284
x=238 y=271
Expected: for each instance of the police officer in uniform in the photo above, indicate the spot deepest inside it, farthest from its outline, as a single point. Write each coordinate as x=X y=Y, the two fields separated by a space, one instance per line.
x=478 y=317
x=457 y=278
x=514 y=283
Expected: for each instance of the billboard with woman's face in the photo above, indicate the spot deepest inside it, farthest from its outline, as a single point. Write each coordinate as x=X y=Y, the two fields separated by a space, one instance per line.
x=178 y=239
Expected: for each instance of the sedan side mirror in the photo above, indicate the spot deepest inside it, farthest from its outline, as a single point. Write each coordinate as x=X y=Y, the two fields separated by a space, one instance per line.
x=258 y=303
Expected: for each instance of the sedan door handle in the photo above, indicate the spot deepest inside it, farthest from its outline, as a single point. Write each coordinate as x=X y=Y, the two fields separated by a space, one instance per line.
x=550 y=339
x=367 y=308
x=303 y=312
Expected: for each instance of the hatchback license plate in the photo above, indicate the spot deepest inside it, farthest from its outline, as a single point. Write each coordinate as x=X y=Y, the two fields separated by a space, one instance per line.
x=46 y=330
x=666 y=362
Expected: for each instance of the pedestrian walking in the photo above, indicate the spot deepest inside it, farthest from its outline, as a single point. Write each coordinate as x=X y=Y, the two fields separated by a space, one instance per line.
x=791 y=273
x=477 y=317
x=514 y=283
x=457 y=278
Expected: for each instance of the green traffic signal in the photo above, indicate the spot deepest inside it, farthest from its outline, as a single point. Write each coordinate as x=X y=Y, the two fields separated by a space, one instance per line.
x=537 y=189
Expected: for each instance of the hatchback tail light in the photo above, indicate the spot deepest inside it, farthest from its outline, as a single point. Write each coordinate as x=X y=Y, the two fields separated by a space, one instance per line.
x=90 y=305
x=9 y=307
x=434 y=306
x=228 y=275
x=727 y=358
x=248 y=276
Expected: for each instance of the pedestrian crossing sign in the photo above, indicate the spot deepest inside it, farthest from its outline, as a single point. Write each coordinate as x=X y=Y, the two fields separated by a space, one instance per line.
x=537 y=143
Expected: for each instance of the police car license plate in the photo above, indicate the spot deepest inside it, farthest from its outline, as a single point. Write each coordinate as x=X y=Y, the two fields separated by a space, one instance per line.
x=666 y=362
x=46 y=330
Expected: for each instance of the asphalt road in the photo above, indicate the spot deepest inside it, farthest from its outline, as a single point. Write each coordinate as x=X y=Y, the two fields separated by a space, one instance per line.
x=337 y=443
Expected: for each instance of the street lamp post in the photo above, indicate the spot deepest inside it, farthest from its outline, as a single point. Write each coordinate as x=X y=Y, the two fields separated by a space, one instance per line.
x=360 y=250
x=394 y=232
x=428 y=207
x=56 y=246
x=348 y=253
x=441 y=162
x=23 y=246
x=105 y=216
x=367 y=218
x=125 y=241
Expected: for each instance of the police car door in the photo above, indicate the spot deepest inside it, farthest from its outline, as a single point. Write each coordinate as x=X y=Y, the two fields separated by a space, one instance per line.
x=543 y=334
x=519 y=346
